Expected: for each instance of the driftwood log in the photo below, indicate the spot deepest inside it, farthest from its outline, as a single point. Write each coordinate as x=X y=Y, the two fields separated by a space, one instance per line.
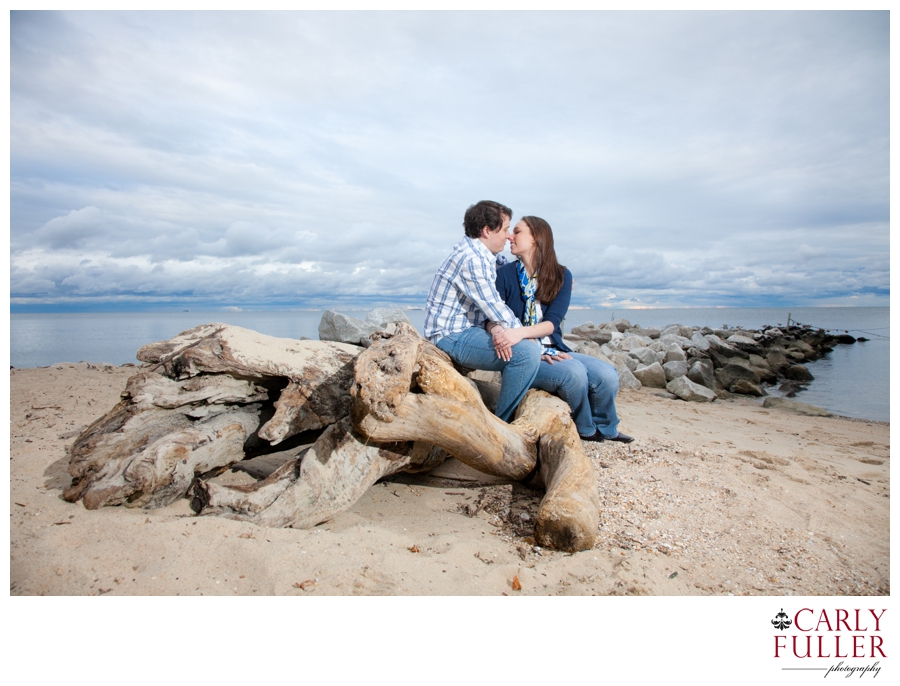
x=217 y=394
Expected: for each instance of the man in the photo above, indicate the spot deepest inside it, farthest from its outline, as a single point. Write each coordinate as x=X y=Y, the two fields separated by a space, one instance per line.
x=463 y=298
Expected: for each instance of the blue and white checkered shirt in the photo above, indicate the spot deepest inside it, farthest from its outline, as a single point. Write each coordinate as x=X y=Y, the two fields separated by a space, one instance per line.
x=463 y=293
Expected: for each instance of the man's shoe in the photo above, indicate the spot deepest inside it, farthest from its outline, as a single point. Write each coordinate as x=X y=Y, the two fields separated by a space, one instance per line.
x=620 y=437
x=596 y=437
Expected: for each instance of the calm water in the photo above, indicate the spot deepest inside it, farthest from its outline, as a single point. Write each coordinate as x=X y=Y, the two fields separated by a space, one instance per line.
x=854 y=380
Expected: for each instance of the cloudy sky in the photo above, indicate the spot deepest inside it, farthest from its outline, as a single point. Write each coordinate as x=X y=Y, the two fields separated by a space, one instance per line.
x=315 y=159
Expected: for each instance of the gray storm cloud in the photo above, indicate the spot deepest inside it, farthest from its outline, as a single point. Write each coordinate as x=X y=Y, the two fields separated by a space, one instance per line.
x=682 y=158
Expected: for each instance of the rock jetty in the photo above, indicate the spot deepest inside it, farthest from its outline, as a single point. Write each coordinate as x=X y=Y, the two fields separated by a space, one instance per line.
x=702 y=364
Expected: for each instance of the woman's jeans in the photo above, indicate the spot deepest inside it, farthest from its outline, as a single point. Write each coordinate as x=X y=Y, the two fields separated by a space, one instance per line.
x=474 y=348
x=589 y=386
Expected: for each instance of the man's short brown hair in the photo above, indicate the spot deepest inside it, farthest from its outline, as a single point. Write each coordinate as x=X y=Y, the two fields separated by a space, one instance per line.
x=485 y=213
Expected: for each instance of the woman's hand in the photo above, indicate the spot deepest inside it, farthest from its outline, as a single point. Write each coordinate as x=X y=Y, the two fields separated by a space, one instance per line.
x=556 y=358
x=504 y=340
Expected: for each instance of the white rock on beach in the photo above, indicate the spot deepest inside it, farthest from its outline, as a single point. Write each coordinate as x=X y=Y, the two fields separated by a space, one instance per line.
x=652 y=375
x=627 y=380
x=645 y=356
x=625 y=360
x=382 y=316
x=632 y=342
x=343 y=328
x=675 y=369
x=686 y=389
x=699 y=341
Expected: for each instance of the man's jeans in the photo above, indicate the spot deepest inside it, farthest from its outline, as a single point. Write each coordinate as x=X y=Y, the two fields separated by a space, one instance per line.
x=474 y=348
x=589 y=386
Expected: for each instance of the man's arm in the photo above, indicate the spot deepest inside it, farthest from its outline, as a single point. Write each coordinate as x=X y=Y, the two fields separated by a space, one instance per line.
x=476 y=282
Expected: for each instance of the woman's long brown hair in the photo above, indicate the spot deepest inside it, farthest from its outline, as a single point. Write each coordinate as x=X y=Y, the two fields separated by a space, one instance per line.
x=550 y=273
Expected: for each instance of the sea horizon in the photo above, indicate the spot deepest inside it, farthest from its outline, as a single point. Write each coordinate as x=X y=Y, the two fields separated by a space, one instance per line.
x=852 y=381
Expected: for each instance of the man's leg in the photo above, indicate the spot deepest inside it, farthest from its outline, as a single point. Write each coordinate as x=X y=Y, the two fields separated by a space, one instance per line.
x=474 y=348
x=603 y=384
x=569 y=380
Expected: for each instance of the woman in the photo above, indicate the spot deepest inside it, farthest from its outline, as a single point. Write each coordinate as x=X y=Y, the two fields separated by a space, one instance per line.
x=538 y=289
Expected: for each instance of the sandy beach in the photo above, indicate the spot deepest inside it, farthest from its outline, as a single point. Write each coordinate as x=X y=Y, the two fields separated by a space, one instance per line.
x=710 y=499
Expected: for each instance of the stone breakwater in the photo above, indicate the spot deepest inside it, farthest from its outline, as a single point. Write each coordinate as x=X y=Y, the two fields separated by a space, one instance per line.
x=702 y=364
x=692 y=363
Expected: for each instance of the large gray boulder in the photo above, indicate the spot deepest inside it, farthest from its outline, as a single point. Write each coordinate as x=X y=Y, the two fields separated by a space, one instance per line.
x=627 y=380
x=675 y=369
x=746 y=344
x=686 y=389
x=652 y=375
x=620 y=359
x=608 y=350
x=677 y=330
x=803 y=347
x=594 y=350
x=798 y=372
x=777 y=359
x=335 y=326
x=746 y=387
x=382 y=316
x=681 y=341
x=670 y=329
x=645 y=356
x=674 y=353
x=719 y=346
x=646 y=333
x=693 y=353
x=731 y=374
x=631 y=342
x=593 y=333
x=763 y=370
x=758 y=361
x=699 y=341
x=702 y=372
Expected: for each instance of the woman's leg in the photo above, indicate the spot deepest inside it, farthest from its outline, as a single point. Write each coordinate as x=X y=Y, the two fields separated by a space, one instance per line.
x=569 y=380
x=603 y=384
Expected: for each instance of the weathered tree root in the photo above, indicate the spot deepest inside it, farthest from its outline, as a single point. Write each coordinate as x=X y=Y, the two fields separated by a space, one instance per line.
x=329 y=479
x=449 y=413
x=147 y=449
x=216 y=391
x=200 y=405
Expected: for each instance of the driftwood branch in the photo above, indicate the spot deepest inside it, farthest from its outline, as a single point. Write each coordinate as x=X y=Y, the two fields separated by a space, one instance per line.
x=327 y=480
x=447 y=412
x=216 y=393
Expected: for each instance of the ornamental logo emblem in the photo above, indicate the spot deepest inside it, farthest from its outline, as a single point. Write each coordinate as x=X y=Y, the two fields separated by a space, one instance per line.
x=781 y=621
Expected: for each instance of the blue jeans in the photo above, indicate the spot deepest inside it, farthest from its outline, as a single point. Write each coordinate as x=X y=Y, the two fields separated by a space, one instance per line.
x=589 y=386
x=474 y=348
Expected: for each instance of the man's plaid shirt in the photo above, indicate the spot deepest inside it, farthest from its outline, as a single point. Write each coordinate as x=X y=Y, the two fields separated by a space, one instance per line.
x=463 y=293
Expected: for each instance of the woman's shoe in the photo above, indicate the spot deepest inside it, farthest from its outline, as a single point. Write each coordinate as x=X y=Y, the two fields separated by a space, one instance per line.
x=599 y=437
x=596 y=437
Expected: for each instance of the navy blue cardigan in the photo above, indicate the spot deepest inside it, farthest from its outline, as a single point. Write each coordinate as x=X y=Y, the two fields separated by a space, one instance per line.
x=511 y=293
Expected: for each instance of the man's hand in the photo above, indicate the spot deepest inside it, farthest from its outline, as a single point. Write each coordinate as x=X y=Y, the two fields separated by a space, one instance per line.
x=556 y=358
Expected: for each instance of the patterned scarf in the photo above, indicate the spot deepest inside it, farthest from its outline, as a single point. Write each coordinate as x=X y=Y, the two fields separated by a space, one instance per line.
x=532 y=308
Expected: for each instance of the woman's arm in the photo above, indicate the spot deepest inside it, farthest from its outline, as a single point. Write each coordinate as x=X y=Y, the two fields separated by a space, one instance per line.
x=505 y=338
x=552 y=317
x=555 y=312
